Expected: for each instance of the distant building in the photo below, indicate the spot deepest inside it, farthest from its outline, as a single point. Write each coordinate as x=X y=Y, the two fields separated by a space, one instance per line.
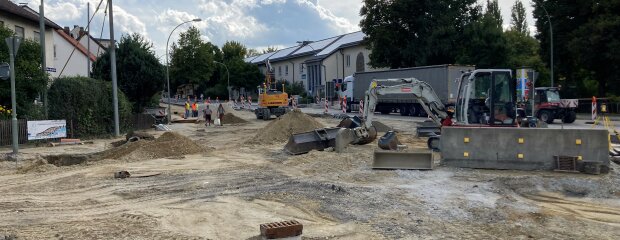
x=96 y=46
x=318 y=64
x=64 y=55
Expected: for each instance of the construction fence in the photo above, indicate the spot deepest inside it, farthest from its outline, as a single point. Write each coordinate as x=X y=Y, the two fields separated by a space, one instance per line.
x=137 y=122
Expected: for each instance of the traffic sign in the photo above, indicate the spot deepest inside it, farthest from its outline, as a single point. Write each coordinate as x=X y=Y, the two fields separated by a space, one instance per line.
x=49 y=69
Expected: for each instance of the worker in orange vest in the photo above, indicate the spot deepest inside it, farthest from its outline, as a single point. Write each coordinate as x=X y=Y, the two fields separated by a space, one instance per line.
x=194 y=109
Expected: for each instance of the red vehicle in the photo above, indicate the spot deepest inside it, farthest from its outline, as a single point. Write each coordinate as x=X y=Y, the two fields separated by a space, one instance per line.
x=549 y=106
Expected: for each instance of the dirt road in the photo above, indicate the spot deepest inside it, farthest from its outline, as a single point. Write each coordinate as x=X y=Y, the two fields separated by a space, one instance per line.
x=231 y=187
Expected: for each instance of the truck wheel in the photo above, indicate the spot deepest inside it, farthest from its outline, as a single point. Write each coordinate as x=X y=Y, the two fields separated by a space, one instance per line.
x=434 y=143
x=546 y=116
x=403 y=110
x=266 y=114
x=421 y=112
x=413 y=110
x=569 y=117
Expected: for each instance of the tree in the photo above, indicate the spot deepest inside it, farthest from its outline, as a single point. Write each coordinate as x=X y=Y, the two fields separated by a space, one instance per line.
x=29 y=79
x=86 y=104
x=405 y=33
x=585 y=39
x=518 y=20
x=252 y=53
x=484 y=44
x=140 y=75
x=270 y=49
x=192 y=60
x=233 y=50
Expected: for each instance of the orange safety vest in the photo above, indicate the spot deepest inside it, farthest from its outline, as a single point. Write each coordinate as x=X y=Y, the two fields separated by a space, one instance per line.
x=194 y=107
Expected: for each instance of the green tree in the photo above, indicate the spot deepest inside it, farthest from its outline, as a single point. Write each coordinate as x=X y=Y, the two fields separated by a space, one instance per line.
x=270 y=49
x=405 y=33
x=192 y=60
x=233 y=50
x=518 y=19
x=494 y=13
x=29 y=80
x=140 y=75
x=252 y=53
x=86 y=104
x=484 y=44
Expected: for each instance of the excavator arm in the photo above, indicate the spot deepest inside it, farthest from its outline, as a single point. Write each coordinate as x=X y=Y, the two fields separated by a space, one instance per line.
x=417 y=89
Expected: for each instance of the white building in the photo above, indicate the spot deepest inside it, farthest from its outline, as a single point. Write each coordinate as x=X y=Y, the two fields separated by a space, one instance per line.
x=318 y=63
x=64 y=56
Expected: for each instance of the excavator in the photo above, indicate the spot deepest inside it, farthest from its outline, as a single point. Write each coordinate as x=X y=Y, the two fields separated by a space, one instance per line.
x=270 y=100
x=486 y=98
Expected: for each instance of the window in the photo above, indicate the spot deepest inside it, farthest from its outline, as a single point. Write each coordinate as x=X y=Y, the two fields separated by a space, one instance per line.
x=36 y=36
x=301 y=68
x=279 y=70
x=286 y=70
x=19 y=31
x=348 y=60
x=54 y=51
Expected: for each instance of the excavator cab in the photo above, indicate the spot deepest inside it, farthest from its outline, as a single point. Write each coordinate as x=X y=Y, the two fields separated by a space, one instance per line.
x=486 y=97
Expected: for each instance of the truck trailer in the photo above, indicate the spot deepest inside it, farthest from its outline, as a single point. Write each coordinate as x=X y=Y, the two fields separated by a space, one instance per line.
x=444 y=80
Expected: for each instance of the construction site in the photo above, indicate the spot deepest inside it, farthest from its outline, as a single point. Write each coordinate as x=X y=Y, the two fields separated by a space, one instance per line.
x=222 y=182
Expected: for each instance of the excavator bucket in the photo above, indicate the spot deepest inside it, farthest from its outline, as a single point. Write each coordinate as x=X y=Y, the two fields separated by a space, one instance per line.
x=416 y=159
x=318 y=139
x=350 y=122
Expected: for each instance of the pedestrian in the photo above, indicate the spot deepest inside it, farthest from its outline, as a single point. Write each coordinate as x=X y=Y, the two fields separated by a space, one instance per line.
x=187 y=107
x=220 y=113
x=207 y=113
x=202 y=97
x=195 y=109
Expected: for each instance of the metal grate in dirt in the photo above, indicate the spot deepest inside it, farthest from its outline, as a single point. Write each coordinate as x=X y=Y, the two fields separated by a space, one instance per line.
x=282 y=229
x=566 y=163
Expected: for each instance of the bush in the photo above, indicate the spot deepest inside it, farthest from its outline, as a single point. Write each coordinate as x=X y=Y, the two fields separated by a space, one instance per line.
x=87 y=106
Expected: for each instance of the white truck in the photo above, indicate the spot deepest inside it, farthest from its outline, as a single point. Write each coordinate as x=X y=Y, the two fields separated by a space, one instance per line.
x=442 y=78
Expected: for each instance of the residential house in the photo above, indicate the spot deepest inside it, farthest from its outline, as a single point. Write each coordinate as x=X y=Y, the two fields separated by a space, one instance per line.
x=64 y=56
x=320 y=64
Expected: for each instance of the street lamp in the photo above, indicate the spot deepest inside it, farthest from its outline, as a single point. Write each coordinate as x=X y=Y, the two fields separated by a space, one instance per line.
x=551 y=34
x=168 y=65
x=227 y=78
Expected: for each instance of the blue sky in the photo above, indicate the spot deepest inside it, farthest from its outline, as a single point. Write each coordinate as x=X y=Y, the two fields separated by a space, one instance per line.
x=255 y=23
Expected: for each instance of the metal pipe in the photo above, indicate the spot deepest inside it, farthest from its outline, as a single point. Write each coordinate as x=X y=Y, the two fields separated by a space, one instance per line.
x=113 y=72
x=551 y=34
x=43 y=63
x=14 y=44
x=87 y=39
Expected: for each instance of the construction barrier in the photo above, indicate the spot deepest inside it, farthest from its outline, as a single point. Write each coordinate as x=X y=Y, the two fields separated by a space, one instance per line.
x=362 y=108
x=294 y=103
x=344 y=105
x=594 y=106
x=326 y=106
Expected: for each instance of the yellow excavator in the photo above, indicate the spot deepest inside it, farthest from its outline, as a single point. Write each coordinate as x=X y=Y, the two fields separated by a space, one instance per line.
x=270 y=100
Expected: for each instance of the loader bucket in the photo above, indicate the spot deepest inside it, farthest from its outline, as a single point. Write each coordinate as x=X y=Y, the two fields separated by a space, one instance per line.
x=350 y=122
x=413 y=160
x=317 y=139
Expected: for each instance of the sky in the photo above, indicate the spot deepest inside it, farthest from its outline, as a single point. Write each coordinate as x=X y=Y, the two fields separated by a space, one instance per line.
x=255 y=23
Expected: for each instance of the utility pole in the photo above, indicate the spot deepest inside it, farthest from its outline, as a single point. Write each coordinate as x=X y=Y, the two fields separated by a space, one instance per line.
x=113 y=71
x=88 y=39
x=43 y=63
x=551 y=36
x=13 y=43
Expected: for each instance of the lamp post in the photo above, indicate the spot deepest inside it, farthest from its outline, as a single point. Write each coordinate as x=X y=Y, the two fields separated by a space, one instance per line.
x=227 y=78
x=13 y=43
x=168 y=65
x=551 y=34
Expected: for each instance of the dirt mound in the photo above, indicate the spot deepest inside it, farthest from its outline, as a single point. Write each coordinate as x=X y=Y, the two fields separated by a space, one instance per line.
x=167 y=145
x=283 y=127
x=38 y=166
x=230 y=118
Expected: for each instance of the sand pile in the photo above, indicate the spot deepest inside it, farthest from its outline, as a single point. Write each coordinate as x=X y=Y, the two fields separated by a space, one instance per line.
x=167 y=145
x=230 y=118
x=38 y=166
x=280 y=129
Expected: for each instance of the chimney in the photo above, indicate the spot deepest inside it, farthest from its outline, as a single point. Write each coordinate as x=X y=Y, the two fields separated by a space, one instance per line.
x=67 y=30
x=81 y=31
x=75 y=26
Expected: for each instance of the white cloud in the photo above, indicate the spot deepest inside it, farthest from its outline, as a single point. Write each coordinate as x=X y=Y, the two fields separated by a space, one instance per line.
x=341 y=24
x=230 y=20
x=128 y=22
x=268 y=2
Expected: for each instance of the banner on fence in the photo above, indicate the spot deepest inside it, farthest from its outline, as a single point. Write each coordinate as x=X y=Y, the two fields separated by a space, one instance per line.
x=47 y=129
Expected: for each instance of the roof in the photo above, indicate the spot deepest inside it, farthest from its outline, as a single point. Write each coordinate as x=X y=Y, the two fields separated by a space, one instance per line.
x=76 y=44
x=262 y=58
x=318 y=49
x=94 y=40
x=344 y=41
x=30 y=14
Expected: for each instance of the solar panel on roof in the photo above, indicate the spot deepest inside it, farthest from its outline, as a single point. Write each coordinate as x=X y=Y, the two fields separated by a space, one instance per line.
x=349 y=38
x=283 y=53
x=318 y=45
x=262 y=58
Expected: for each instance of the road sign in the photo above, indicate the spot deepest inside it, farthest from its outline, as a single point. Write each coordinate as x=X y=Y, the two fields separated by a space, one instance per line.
x=49 y=69
x=5 y=71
